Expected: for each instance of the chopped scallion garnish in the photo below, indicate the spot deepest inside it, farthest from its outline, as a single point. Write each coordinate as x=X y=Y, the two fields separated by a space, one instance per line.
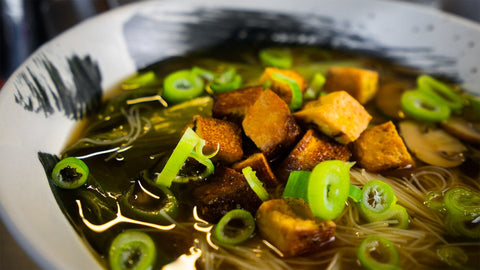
x=255 y=183
x=190 y=145
x=234 y=227
x=297 y=96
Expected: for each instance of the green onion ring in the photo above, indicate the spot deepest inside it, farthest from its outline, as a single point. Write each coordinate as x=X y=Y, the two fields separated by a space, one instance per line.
x=276 y=57
x=70 y=173
x=255 y=183
x=182 y=85
x=440 y=92
x=297 y=96
x=132 y=250
x=234 y=227
x=227 y=81
x=423 y=107
x=355 y=193
x=328 y=188
x=189 y=142
x=377 y=198
x=139 y=80
x=297 y=185
x=377 y=253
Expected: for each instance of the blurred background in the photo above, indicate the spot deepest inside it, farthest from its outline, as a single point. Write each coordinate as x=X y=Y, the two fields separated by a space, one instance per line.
x=27 y=24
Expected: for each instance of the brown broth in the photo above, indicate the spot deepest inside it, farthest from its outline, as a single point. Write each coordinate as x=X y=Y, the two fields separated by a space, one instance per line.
x=110 y=179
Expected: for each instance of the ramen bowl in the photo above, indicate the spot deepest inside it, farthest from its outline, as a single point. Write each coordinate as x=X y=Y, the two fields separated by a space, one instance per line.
x=65 y=80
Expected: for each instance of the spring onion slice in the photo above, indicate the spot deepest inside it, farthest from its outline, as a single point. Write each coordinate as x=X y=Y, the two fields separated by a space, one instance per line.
x=205 y=74
x=276 y=57
x=297 y=185
x=315 y=87
x=377 y=253
x=440 y=92
x=423 y=107
x=70 y=173
x=460 y=201
x=463 y=212
x=205 y=161
x=328 y=188
x=297 y=96
x=267 y=84
x=185 y=148
x=461 y=226
x=182 y=85
x=227 y=81
x=318 y=81
x=434 y=201
x=228 y=232
x=396 y=213
x=255 y=183
x=355 y=193
x=132 y=250
x=139 y=80
x=377 y=198
x=149 y=202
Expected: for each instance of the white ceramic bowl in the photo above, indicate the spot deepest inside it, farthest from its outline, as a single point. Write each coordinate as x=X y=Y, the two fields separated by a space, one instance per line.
x=64 y=79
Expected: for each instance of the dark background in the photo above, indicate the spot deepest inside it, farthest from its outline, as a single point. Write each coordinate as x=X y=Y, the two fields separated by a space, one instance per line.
x=26 y=24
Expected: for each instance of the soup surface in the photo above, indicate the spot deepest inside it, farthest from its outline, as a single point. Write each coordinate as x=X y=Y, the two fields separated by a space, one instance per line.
x=298 y=109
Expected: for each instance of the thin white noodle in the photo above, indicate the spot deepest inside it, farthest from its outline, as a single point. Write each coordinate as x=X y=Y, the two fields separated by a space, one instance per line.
x=135 y=123
x=333 y=265
x=439 y=177
x=114 y=141
x=437 y=235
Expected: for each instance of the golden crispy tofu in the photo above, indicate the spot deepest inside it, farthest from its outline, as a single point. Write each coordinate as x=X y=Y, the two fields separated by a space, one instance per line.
x=226 y=190
x=290 y=226
x=233 y=105
x=380 y=148
x=337 y=115
x=360 y=83
x=312 y=149
x=270 y=125
x=260 y=165
x=282 y=89
x=216 y=132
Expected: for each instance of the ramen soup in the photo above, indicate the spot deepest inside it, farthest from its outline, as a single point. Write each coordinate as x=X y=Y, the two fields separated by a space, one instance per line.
x=277 y=158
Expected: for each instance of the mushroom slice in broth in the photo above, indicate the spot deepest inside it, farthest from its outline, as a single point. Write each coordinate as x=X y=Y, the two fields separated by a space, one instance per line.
x=463 y=129
x=432 y=145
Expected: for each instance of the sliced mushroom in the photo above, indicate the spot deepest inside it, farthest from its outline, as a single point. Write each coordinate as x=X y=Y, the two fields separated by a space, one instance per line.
x=463 y=129
x=432 y=145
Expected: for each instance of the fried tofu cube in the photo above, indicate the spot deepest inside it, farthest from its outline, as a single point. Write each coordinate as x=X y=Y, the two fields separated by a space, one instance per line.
x=337 y=115
x=312 y=149
x=225 y=191
x=282 y=89
x=381 y=148
x=270 y=125
x=362 y=84
x=290 y=226
x=220 y=133
x=260 y=165
x=233 y=105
